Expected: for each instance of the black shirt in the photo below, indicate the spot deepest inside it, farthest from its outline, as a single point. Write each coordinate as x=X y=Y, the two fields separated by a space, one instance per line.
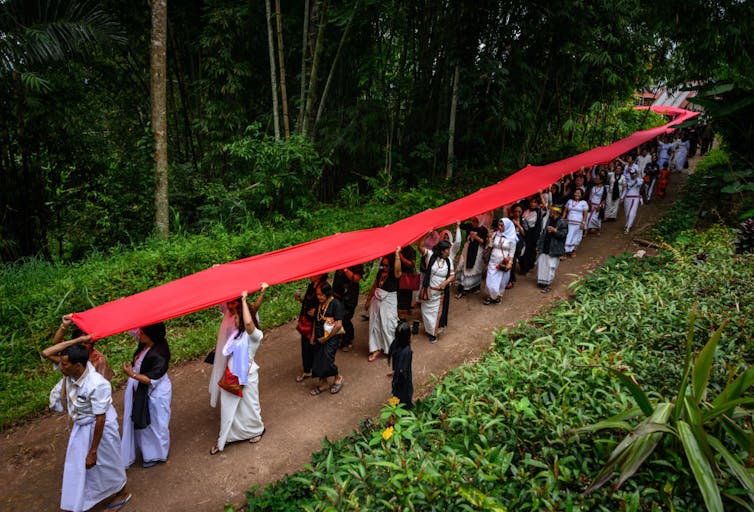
x=335 y=310
x=345 y=289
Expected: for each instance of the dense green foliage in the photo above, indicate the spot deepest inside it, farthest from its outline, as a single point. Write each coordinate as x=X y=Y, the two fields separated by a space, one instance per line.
x=497 y=434
x=76 y=154
x=719 y=191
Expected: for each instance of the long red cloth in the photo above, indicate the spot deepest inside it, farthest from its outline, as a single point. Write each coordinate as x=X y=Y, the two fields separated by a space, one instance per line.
x=224 y=282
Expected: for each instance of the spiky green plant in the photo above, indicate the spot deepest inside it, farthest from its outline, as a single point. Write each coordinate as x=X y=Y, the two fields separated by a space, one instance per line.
x=695 y=419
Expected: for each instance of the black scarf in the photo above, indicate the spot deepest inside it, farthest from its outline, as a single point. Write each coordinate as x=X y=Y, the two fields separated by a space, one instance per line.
x=616 y=188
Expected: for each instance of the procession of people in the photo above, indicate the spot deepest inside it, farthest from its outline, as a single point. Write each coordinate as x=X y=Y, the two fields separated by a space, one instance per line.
x=478 y=255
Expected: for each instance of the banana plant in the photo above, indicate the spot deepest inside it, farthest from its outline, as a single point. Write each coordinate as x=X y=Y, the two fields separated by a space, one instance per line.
x=697 y=421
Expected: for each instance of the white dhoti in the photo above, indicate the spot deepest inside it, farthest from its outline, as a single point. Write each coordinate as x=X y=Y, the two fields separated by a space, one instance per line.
x=84 y=488
x=575 y=234
x=546 y=267
x=383 y=319
x=631 y=206
x=154 y=440
x=241 y=417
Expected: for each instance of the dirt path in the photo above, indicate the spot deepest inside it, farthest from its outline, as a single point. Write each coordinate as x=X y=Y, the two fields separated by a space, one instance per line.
x=32 y=455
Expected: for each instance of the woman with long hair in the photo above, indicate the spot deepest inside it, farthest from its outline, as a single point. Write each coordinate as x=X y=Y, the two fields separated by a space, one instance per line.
x=240 y=412
x=401 y=357
x=382 y=304
x=328 y=329
x=146 y=402
x=438 y=277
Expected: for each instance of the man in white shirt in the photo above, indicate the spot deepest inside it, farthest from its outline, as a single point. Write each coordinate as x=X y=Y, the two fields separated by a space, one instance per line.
x=93 y=468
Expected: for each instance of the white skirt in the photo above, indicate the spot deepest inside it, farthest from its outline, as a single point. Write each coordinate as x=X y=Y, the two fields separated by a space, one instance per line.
x=241 y=417
x=546 y=267
x=383 y=319
x=153 y=441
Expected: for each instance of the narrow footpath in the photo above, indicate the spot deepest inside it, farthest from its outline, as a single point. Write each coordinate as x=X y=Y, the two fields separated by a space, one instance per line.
x=33 y=454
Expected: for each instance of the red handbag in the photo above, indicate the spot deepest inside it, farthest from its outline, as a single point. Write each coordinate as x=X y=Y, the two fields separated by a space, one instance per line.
x=229 y=383
x=305 y=326
x=409 y=281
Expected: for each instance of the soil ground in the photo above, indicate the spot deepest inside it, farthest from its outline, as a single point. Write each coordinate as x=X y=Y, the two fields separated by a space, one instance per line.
x=33 y=454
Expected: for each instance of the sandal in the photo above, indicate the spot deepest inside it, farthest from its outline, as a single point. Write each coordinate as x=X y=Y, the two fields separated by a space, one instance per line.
x=303 y=377
x=317 y=391
x=214 y=450
x=114 y=507
x=373 y=356
x=347 y=348
x=336 y=386
x=256 y=439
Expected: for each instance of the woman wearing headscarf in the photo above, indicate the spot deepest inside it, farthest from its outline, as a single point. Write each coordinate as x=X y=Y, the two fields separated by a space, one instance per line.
x=146 y=402
x=471 y=264
x=305 y=326
x=228 y=326
x=502 y=244
x=382 y=304
x=516 y=213
x=575 y=213
x=439 y=275
x=240 y=412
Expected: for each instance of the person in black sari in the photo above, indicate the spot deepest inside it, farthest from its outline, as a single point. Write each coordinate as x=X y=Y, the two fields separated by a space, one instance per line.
x=401 y=357
x=328 y=325
x=345 y=287
x=532 y=222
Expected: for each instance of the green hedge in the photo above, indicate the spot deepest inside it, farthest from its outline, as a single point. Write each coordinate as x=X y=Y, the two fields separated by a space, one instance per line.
x=495 y=435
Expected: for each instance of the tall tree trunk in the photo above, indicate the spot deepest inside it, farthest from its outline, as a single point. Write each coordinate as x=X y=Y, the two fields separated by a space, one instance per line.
x=304 y=51
x=158 y=75
x=281 y=60
x=334 y=65
x=312 y=88
x=452 y=124
x=273 y=72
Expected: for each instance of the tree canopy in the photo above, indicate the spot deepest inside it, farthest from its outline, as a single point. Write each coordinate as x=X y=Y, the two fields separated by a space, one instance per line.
x=369 y=88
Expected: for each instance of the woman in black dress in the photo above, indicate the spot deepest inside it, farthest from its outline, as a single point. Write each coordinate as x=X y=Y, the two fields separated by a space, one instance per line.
x=401 y=357
x=328 y=329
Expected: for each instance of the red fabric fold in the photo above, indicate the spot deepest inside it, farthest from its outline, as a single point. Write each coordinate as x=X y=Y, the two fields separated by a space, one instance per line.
x=224 y=282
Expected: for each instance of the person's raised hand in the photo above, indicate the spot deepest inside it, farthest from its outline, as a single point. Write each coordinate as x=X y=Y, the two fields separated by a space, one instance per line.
x=244 y=294
x=67 y=319
x=264 y=286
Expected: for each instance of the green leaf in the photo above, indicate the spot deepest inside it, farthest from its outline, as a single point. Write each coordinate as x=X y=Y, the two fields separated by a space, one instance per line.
x=727 y=406
x=734 y=389
x=701 y=469
x=735 y=466
x=687 y=364
x=703 y=364
x=641 y=398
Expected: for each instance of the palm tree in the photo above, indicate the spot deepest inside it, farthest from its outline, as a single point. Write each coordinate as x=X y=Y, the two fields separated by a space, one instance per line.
x=35 y=33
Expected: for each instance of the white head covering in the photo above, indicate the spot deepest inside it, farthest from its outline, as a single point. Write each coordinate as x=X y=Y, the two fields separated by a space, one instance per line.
x=509 y=230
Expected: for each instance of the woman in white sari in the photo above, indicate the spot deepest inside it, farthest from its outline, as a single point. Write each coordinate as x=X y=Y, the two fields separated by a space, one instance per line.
x=439 y=275
x=240 y=412
x=146 y=402
x=502 y=244
x=471 y=265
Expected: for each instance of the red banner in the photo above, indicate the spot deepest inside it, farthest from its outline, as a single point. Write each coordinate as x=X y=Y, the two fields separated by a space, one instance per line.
x=224 y=282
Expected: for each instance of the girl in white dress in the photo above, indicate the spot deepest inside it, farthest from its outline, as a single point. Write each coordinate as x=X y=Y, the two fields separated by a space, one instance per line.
x=597 y=196
x=240 y=412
